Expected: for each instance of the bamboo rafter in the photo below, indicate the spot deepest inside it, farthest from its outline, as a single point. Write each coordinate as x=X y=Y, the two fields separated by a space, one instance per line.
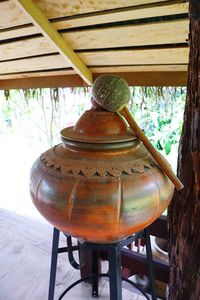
x=42 y=23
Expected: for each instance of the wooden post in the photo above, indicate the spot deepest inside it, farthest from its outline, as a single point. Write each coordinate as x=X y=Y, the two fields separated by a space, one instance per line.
x=184 y=211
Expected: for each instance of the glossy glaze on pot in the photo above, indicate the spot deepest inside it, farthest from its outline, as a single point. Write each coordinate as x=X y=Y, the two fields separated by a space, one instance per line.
x=100 y=184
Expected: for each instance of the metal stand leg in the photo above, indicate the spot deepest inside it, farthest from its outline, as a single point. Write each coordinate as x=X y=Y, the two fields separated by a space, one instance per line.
x=54 y=257
x=95 y=271
x=150 y=264
x=114 y=258
x=115 y=273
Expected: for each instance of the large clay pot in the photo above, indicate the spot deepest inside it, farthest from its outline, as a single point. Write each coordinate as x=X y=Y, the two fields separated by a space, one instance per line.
x=100 y=184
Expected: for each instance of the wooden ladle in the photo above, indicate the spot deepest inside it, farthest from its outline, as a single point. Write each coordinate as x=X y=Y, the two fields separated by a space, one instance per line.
x=112 y=93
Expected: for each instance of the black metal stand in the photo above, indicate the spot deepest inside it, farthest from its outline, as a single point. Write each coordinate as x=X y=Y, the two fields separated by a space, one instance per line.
x=114 y=258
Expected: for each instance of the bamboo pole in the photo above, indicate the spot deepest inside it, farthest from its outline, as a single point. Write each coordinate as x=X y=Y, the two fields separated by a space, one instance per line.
x=158 y=158
x=45 y=27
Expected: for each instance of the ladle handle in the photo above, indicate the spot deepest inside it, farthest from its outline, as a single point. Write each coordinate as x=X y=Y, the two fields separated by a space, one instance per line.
x=158 y=158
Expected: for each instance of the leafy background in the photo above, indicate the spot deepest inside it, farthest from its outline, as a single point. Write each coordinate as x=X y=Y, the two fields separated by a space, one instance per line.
x=38 y=115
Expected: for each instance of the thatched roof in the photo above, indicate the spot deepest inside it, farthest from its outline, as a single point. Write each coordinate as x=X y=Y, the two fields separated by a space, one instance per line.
x=143 y=40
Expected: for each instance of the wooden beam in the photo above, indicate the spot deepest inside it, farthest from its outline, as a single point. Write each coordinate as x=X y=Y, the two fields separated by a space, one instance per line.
x=154 y=78
x=99 y=70
x=133 y=79
x=43 y=82
x=61 y=45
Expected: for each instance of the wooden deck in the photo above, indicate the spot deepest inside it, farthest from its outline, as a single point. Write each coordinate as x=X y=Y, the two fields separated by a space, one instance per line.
x=25 y=247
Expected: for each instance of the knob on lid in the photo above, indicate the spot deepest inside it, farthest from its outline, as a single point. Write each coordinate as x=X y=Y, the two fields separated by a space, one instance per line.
x=96 y=126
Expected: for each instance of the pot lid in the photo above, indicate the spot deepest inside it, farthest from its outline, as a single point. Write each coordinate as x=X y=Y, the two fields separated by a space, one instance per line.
x=99 y=126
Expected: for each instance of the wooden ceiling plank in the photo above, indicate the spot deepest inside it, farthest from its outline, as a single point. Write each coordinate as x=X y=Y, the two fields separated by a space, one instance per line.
x=33 y=64
x=76 y=7
x=141 y=68
x=130 y=36
x=169 y=32
x=22 y=31
x=66 y=51
x=49 y=73
x=125 y=15
x=11 y=15
x=102 y=18
x=133 y=79
x=170 y=56
x=26 y=48
x=136 y=57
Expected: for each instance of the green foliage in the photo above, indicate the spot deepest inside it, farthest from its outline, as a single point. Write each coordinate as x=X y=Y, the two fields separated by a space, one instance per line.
x=159 y=112
x=39 y=114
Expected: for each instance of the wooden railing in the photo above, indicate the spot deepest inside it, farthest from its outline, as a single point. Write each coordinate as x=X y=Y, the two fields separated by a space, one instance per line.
x=134 y=262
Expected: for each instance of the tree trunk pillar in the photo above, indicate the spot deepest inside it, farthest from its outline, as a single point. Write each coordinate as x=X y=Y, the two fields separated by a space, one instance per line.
x=184 y=210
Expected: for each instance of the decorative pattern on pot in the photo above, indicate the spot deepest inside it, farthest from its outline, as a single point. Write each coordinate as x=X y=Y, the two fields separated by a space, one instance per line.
x=100 y=184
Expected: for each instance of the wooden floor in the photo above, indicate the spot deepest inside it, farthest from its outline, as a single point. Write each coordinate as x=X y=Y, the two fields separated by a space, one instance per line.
x=25 y=247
